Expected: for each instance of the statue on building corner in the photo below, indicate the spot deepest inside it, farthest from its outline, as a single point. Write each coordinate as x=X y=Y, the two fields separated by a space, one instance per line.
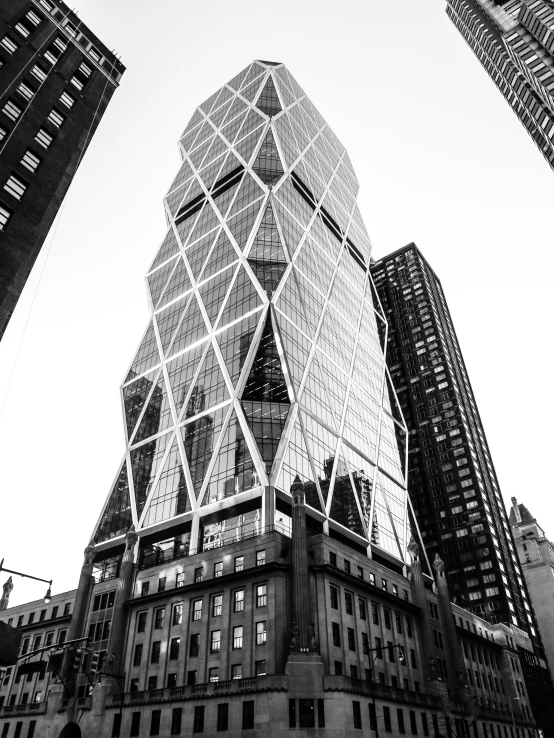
x=438 y=566
x=413 y=549
x=6 y=592
x=313 y=642
x=294 y=639
x=131 y=537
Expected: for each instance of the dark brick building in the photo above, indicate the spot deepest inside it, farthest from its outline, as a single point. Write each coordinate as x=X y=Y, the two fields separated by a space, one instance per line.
x=56 y=80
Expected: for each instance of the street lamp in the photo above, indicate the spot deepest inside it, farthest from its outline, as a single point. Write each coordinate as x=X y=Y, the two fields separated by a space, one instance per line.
x=401 y=658
x=47 y=596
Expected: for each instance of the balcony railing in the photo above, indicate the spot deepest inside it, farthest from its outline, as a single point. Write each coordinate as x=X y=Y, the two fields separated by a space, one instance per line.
x=223 y=686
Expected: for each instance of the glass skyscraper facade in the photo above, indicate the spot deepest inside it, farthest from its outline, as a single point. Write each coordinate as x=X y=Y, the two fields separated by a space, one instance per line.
x=261 y=360
x=513 y=41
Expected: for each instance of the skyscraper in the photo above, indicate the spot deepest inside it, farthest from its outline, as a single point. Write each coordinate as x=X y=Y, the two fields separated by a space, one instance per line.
x=249 y=569
x=452 y=481
x=512 y=40
x=57 y=79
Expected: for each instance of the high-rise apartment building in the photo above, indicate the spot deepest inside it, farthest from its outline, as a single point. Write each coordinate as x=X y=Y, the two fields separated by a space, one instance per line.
x=56 y=80
x=513 y=41
x=536 y=556
x=248 y=574
x=452 y=481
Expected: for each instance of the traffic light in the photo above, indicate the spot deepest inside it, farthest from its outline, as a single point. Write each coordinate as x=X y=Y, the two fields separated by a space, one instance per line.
x=75 y=659
x=94 y=659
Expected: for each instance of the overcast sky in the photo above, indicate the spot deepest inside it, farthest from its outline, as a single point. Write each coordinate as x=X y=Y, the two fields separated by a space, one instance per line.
x=441 y=159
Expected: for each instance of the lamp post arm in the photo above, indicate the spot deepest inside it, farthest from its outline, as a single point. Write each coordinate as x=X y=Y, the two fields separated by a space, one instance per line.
x=20 y=574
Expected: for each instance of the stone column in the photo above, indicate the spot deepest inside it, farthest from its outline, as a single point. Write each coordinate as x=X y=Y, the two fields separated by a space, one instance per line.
x=420 y=599
x=116 y=644
x=300 y=580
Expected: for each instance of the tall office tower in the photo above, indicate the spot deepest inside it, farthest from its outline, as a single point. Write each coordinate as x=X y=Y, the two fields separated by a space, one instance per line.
x=536 y=556
x=249 y=572
x=57 y=79
x=452 y=481
x=512 y=40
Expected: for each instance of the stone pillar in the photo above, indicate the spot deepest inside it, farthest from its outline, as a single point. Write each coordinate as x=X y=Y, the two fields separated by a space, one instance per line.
x=116 y=644
x=300 y=580
x=420 y=599
x=456 y=668
x=6 y=592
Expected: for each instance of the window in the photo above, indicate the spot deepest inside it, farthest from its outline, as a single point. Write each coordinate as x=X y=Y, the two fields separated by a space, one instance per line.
x=375 y=614
x=372 y=720
x=174 y=648
x=238 y=600
x=180 y=579
x=400 y=719
x=160 y=616
x=135 y=724
x=218 y=569
x=198 y=574
x=424 y=724
x=177 y=615
x=194 y=644
x=3 y=133
x=336 y=634
x=95 y=54
x=77 y=82
x=11 y=110
x=260 y=558
x=223 y=716
x=413 y=722
x=155 y=722
x=197 y=610
x=161 y=584
x=378 y=648
x=141 y=622
x=215 y=645
x=348 y=603
x=155 y=656
x=347 y=566
x=67 y=99
x=387 y=618
x=85 y=70
x=16 y=187
x=217 y=604
x=261 y=595
x=5 y=215
x=351 y=639
x=239 y=563
x=137 y=657
x=386 y=718
x=261 y=667
x=70 y=28
x=333 y=558
x=362 y=608
x=26 y=91
x=191 y=676
x=357 y=714
x=213 y=674
x=236 y=671
x=9 y=44
x=261 y=633
x=33 y=18
x=62 y=636
x=172 y=680
x=334 y=598
x=365 y=643
x=198 y=724
x=390 y=649
x=57 y=119
x=409 y=629
x=116 y=726
x=237 y=636
x=413 y=659
x=248 y=714
x=176 y=718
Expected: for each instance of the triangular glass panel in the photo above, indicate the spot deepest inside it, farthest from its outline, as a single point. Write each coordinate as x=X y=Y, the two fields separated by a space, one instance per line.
x=147 y=356
x=207 y=221
x=157 y=415
x=265 y=399
x=144 y=464
x=315 y=397
x=221 y=256
x=388 y=527
x=213 y=293
x=335 y=382
x=198 y=253
x=356 y=426
x=286 y=96
x=181 y=372
x=199 y=153
x=222 y=198
x=344 y=508
x=230 y=129
x=135 y=396
x=241 y=225
x=253 y=120
x=268 y=102
x=254 y=72
x=243 y=299
x=170 y=497
x=250 y=92
x=413 y=531
x=248 y=192
x=175 y=198
x=184 y=227
x=168 y=320
x=268 y=165
x=209 y=103
x=292 y=231
x=234 y=344
x=117 y=517
x=209 y=173
x=267 y=256
x=183 y=174
x=192 y=328
x=361 y=473
x=178 y=284
x=322 y=448
x=292 y=305
x=209 y=387
x=296 y=461
x=234 y=469
x=193 y=122
x=217 y=116
x=312 y=301
x=157 y=280
x=235 y=83
x=297 y=349
x=169 y=248
x=245 y=148
x=200 y=438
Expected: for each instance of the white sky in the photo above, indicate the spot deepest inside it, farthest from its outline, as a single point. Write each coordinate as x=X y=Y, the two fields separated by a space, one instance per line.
x=441 y=159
